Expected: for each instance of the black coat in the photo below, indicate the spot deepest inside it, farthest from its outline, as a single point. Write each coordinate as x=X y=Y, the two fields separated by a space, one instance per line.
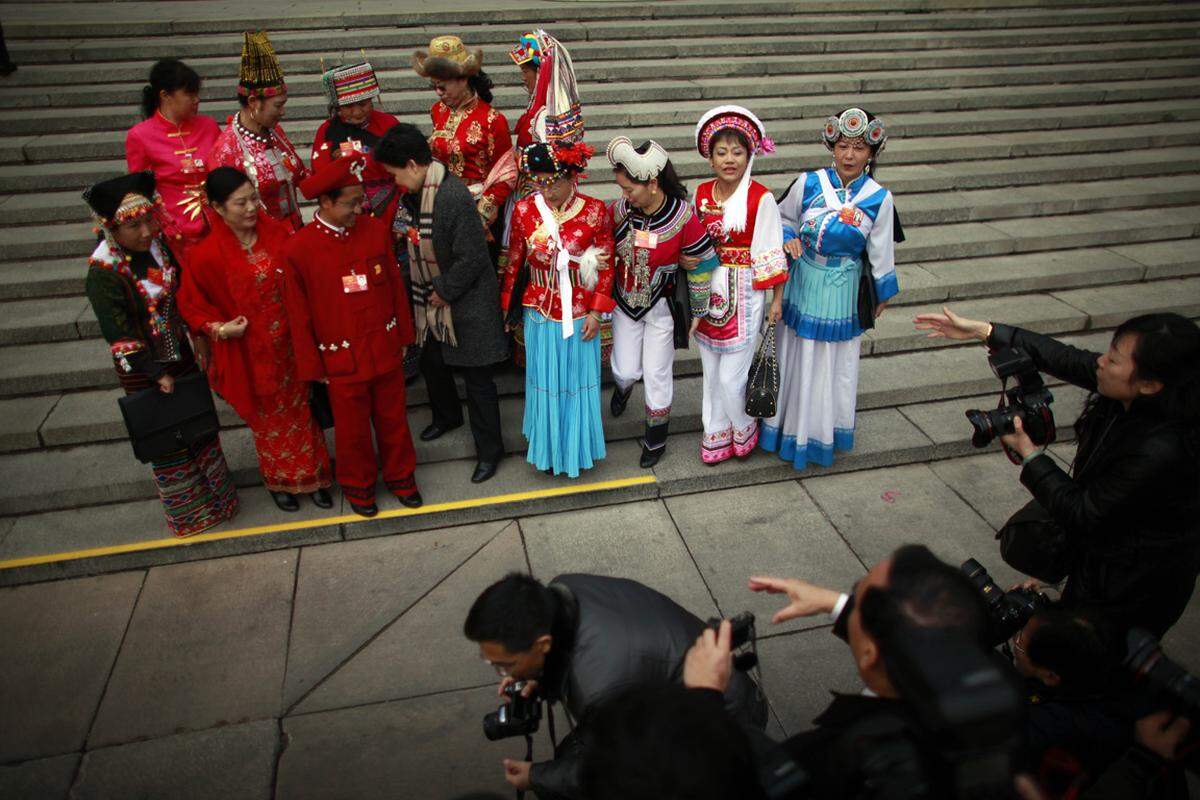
x=1131 y=508
x=468 y=277
x=616 y=634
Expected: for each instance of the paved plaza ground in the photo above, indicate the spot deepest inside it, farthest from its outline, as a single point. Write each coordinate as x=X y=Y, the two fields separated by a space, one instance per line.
x=340 y=670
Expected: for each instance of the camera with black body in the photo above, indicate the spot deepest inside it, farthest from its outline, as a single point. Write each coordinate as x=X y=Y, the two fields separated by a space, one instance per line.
x=518 y=716
x=1029 y=399
x=743 y=632
x=1007 y=611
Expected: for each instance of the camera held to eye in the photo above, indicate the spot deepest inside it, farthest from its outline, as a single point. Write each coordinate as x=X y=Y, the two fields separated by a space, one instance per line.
x=1029 y=399
x=518 y=716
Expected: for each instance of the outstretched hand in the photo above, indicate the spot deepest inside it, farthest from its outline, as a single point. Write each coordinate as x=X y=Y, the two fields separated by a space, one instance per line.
x=806 y=599
x=948 y=325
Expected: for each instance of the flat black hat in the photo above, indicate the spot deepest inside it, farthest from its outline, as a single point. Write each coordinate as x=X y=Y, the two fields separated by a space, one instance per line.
x=105 y=197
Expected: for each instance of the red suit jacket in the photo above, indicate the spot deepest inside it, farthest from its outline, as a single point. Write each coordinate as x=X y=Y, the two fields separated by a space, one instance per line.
x=346 y=301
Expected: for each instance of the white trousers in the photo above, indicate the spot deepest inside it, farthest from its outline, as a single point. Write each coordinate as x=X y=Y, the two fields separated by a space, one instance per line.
x=728 y=429
x=644 y=349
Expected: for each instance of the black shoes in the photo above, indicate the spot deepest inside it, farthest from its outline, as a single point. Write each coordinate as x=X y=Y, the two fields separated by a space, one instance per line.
x=650 y=457
x=364 y=511
x=619 y=400
x=285 y=501
x=321 y=498
x=413 y=500
x=484 y=470
x=436 y=431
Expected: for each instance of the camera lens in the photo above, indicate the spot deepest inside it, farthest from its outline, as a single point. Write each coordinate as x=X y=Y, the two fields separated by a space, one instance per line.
x=981 y=424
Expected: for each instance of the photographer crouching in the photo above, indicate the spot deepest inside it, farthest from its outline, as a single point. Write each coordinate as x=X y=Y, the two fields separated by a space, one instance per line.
x=1123 y=527
x=578 y=641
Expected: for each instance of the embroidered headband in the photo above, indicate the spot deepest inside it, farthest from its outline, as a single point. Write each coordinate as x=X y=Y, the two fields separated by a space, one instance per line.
x=736 y=118
x=641 y=166
x=350 y=84
x=854 y=123
x=527 y=51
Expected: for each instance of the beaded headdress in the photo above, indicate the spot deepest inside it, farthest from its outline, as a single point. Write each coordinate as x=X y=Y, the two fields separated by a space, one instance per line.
x=742 y=120
x=855 y=123
x=640 y=166
x=556 y=159
x=527 y=51
x=350 y=84
x=260 y=75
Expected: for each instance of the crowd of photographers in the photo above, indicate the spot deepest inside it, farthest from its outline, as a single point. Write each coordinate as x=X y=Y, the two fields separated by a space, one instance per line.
x=968 y=690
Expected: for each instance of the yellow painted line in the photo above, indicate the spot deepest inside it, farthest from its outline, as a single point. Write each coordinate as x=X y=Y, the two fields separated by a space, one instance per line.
x=321 y=522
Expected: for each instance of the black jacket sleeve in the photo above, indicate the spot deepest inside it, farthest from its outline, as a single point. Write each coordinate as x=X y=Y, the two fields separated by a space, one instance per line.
x=1067 y=363
x=1085 y=509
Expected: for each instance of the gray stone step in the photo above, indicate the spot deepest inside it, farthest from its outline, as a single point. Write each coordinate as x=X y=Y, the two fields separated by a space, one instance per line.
x=776 y=35
x=92 y=417
x=188 y=20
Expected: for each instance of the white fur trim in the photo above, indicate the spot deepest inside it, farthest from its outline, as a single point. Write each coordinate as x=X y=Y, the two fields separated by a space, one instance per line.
x=589 y=267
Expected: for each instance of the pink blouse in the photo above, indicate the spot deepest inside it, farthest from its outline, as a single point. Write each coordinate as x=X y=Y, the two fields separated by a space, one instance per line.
x=178 y=157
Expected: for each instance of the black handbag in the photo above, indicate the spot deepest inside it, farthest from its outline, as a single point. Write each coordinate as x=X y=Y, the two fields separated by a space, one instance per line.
x=162 y=424
x=762 y=392
x=868 y=296
x=1033 y=543
x=318 y=401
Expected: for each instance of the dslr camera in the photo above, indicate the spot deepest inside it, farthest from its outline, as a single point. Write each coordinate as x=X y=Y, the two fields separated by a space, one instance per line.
x=517 y=716
x=1007 y=611
x=1029 y=399
x=742 y=632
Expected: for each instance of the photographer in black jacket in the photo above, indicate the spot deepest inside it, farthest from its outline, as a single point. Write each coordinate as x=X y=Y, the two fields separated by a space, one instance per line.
x=583 y=639
x=1130 y=509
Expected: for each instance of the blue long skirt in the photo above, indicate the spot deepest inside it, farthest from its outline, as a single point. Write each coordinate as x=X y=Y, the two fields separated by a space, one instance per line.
x=562 y=397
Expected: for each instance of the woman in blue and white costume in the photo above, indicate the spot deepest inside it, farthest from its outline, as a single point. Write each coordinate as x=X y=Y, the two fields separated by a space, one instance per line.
x=835 y=220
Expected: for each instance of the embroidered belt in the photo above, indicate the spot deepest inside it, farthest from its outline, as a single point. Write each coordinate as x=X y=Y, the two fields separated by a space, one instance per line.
x=734 y=256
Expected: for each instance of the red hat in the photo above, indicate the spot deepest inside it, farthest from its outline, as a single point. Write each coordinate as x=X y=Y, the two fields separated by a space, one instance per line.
x=345 y=170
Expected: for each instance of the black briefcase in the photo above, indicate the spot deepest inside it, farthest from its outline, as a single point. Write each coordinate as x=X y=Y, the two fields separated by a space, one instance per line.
x=161 y=424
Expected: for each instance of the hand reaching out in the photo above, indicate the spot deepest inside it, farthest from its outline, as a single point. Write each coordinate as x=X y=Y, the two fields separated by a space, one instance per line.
x=948 y=325
x=806 y=599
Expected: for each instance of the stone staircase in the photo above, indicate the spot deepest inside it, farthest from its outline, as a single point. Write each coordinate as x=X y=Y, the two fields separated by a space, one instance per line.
x=1045 y=157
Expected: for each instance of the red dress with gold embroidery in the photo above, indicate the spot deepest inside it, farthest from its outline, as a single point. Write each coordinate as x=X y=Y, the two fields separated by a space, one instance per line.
x=257 y=373
x=470 y=141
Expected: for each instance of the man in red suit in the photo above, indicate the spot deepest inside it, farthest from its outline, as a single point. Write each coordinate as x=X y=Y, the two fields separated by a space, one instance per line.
x=350 y=323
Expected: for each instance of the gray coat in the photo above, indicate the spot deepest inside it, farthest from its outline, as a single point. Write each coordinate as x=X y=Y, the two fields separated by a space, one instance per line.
x=468 y=277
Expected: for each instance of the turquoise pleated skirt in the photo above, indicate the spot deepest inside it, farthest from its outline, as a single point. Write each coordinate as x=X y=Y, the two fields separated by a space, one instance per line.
x=820 y=300
x=562 y=397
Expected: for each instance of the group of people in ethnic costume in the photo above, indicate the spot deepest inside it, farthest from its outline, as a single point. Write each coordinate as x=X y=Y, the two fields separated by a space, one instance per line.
x=459 y=250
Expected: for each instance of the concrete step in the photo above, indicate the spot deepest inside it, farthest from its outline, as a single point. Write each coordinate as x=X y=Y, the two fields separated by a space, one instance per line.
x=82 y=20
x=773 y=35
x=106 y=472
x=90 y=417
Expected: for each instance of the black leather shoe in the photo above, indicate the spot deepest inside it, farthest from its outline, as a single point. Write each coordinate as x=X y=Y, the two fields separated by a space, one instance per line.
x=413 y=500
x=484 y=470
x=619 y=400
x=285 y=501
x=364 y=511
x=650 y=457
x=435 y=431
x=321 y=498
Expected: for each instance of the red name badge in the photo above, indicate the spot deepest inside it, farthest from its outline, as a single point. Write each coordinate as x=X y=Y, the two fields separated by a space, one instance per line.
x=350 y=146
x=354 y=283
x=645 y=240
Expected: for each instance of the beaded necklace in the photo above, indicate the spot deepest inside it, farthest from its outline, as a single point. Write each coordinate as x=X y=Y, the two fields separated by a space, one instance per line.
x=159 y=307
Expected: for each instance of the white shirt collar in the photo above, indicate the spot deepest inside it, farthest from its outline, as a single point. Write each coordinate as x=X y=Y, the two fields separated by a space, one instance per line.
x=333 y=228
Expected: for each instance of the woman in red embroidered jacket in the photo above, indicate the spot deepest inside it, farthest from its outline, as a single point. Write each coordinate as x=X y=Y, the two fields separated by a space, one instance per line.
x=469 y=136
x=560 y=275
x=233 y=294
x=131 y=283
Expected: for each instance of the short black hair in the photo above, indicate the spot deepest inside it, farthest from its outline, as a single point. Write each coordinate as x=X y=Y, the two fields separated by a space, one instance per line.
x=222 y=182
x=514 y=611
x=403 y=143
x=1078 y=645
x=664 y=741
x=926 y=593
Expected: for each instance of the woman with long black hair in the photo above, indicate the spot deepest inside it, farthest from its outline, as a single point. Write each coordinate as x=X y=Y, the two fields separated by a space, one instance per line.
x=656 y=232
x=173 y=142
x=1129 y=510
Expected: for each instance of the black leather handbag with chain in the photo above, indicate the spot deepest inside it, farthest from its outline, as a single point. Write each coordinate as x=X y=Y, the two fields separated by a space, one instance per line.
x=762 y=391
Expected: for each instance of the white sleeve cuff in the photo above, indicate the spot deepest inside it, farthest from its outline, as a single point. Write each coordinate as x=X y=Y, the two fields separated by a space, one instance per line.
x=838 y=606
